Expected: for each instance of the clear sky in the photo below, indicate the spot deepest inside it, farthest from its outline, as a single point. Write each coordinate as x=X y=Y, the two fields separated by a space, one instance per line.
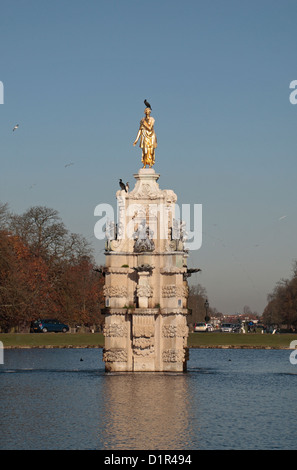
x=217 y=75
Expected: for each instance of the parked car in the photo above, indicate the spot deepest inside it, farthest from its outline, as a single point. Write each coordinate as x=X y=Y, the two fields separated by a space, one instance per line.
x=48 y=325
x=202 y=327
x=227 y=327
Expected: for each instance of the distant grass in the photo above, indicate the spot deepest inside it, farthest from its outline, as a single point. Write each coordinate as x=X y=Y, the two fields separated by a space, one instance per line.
x=58 y=340
x=195 y=340
x=249 y=340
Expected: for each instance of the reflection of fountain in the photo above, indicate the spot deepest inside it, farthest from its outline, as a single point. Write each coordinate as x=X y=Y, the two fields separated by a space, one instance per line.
x=157 y=417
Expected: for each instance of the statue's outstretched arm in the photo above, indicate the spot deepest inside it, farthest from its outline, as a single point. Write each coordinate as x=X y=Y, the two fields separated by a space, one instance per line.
x=137 y=137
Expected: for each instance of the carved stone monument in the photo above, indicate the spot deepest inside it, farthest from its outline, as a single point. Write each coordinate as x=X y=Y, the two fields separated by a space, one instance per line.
x=146 y=275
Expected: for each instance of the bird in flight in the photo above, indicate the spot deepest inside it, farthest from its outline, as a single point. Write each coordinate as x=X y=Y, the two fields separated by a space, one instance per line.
x=147 y=104
x=122 y=185
x=15 y=127
x=69 y=164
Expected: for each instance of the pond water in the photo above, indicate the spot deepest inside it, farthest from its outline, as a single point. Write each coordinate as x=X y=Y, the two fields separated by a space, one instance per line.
x=228 y=399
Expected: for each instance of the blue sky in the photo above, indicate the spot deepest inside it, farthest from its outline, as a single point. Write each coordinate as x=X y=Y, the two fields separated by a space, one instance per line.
x=217 y=75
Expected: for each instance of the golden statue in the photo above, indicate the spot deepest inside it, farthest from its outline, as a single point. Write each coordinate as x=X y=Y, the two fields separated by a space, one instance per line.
x=148 y=139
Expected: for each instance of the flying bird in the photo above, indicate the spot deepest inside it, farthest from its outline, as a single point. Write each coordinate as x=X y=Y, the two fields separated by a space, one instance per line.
x=69 y=164
x=15 y=127
x=127 y=187
x=147 y=104
x=122 y=185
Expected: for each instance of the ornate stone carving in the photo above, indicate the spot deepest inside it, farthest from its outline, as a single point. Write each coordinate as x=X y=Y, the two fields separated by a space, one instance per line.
x=170 y=196
x=146 y=191
x=143 y=236
x=182 y=291
x=175 y=231
x=147 y=331
x=169 y=291
x=143 y=346
x=115 y=291
x=145 y=278
x=113 y=245
x=144 y=291
x=110 y=231
x=143 y=340
x=178 y=231
x=173 y=355
x=115 y=355
x=174 y=291
x=174 y=331
x=144 y=268
x=116 y=330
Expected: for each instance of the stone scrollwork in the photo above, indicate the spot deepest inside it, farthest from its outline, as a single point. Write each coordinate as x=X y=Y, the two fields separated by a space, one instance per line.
x=144 y=291
x=115 y=291
x=115 y=330
x=173 y=355
x=143 y=340
x=174 y=331
x=169 y=291
x=115 y=355
x=143 y=346
x=146 y=191
x=147 y=331
x=174 y=291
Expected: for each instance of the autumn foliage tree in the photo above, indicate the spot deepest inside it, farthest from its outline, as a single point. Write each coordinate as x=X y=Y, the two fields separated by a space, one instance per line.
x=45 y=271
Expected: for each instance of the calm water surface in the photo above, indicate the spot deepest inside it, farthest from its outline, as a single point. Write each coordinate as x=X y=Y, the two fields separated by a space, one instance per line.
x=228 y=399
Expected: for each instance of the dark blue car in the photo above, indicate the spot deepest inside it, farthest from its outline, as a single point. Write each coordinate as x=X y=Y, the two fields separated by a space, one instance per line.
x=46 y=326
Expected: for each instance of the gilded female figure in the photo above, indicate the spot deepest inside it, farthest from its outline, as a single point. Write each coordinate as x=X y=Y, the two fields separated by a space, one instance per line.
x=148 y=139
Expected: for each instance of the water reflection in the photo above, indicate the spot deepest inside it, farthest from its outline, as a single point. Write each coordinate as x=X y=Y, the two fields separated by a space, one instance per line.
x=147 y=411
x=236 y=399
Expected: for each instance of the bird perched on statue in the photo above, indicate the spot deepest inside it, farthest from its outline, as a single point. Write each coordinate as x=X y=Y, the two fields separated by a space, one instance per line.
x=15 y=127
x=122 y=185
x=127 y=187
x=147 y=104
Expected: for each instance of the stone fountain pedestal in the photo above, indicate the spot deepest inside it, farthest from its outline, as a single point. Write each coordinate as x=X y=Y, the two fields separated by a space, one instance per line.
x=146 y=286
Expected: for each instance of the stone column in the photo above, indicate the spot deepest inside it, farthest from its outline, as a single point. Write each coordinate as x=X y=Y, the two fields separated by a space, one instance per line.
x=144 y=291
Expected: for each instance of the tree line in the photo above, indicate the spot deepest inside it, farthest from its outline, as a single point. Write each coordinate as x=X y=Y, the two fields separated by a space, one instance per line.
x=282 y=303
x=46 y=271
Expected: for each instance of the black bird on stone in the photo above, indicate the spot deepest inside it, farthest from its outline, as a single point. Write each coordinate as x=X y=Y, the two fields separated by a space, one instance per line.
x=122 y=185
x=147 y=104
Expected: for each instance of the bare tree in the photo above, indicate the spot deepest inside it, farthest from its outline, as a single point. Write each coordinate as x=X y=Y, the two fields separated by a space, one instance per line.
x=4 y=216
x=41 y=229
x=196 y=300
